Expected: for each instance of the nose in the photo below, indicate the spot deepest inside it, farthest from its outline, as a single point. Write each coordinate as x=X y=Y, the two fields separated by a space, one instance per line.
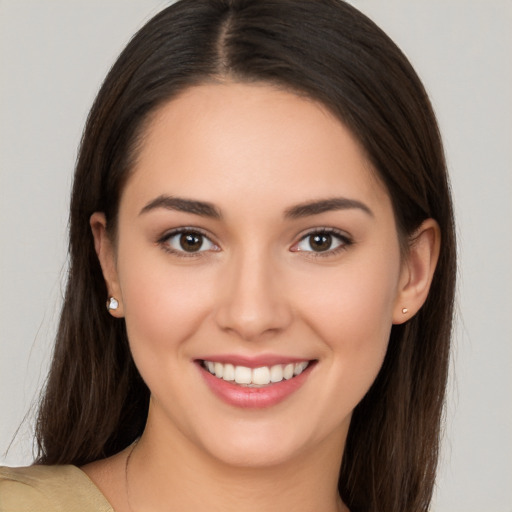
x=253 y=304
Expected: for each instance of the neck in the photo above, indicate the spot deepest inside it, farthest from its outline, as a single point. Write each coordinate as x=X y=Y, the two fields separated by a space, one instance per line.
x=172 y=474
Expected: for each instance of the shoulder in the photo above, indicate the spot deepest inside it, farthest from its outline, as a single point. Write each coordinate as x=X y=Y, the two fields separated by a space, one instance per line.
x=49 y=489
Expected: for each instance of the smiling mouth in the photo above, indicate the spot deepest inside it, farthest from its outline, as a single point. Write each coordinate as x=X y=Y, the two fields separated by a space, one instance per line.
x=255 y=377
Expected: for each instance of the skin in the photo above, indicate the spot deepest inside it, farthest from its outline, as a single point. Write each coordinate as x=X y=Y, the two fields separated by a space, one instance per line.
x=256 y=287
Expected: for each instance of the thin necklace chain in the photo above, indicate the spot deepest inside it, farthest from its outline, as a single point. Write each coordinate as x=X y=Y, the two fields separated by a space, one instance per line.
x=126 y=486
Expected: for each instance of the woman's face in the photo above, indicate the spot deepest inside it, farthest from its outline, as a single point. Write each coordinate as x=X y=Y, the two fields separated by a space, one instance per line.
x=254 y=241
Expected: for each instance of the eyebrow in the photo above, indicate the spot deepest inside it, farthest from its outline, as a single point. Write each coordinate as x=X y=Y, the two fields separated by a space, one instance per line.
x=325 y=205
x=205 y=209
x=202 y=208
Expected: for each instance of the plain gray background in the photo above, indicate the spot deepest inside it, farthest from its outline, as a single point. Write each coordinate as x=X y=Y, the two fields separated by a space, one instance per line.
x=53 y=57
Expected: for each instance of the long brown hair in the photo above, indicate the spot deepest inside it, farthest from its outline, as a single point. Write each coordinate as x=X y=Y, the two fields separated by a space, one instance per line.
x=95 y=402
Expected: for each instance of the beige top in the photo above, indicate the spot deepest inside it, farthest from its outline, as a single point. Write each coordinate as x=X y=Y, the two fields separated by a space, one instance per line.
x=49 y=489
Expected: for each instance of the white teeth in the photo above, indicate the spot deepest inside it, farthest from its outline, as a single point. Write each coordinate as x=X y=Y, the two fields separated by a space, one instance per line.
x=243 y=375
x=288 y=371
x=276 y=373
x=261 y=376
x=229 y=372
x=300 y=367
x=219 y=370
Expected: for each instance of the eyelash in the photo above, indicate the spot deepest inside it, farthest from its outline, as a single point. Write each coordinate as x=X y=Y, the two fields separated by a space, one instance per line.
x=344 y=240
x=164 y=242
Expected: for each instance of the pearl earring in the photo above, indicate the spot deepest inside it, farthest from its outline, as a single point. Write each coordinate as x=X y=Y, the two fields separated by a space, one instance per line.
x=404 y=310
x=112 y=304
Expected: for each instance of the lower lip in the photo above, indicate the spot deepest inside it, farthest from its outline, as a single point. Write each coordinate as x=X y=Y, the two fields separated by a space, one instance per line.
x=254 y=398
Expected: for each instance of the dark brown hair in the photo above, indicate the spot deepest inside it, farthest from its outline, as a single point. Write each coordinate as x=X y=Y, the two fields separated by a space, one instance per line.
x=95 y=402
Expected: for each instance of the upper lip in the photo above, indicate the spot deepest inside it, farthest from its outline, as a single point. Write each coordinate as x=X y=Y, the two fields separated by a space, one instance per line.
x=253 y=361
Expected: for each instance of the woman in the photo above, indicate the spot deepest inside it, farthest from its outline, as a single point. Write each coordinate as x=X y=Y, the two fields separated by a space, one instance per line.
x=261 y=198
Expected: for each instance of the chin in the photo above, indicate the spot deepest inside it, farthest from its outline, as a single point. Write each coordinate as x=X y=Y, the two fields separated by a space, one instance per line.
x=242 y=453
x=254 y=445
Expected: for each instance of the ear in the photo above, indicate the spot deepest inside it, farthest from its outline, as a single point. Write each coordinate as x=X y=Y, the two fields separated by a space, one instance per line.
x=107 y=258
x=417 y=271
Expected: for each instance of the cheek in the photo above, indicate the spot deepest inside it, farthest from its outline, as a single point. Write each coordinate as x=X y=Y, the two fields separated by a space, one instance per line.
x=351 y=309
x=163 y=304
x=352 y=316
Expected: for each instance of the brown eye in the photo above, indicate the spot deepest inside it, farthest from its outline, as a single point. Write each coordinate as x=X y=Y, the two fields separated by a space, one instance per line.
x=191 y=242
x=185 y=241
x=320 y=242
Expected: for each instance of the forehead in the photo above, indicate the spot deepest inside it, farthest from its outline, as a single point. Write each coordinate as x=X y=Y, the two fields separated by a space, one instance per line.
x=230 y=143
